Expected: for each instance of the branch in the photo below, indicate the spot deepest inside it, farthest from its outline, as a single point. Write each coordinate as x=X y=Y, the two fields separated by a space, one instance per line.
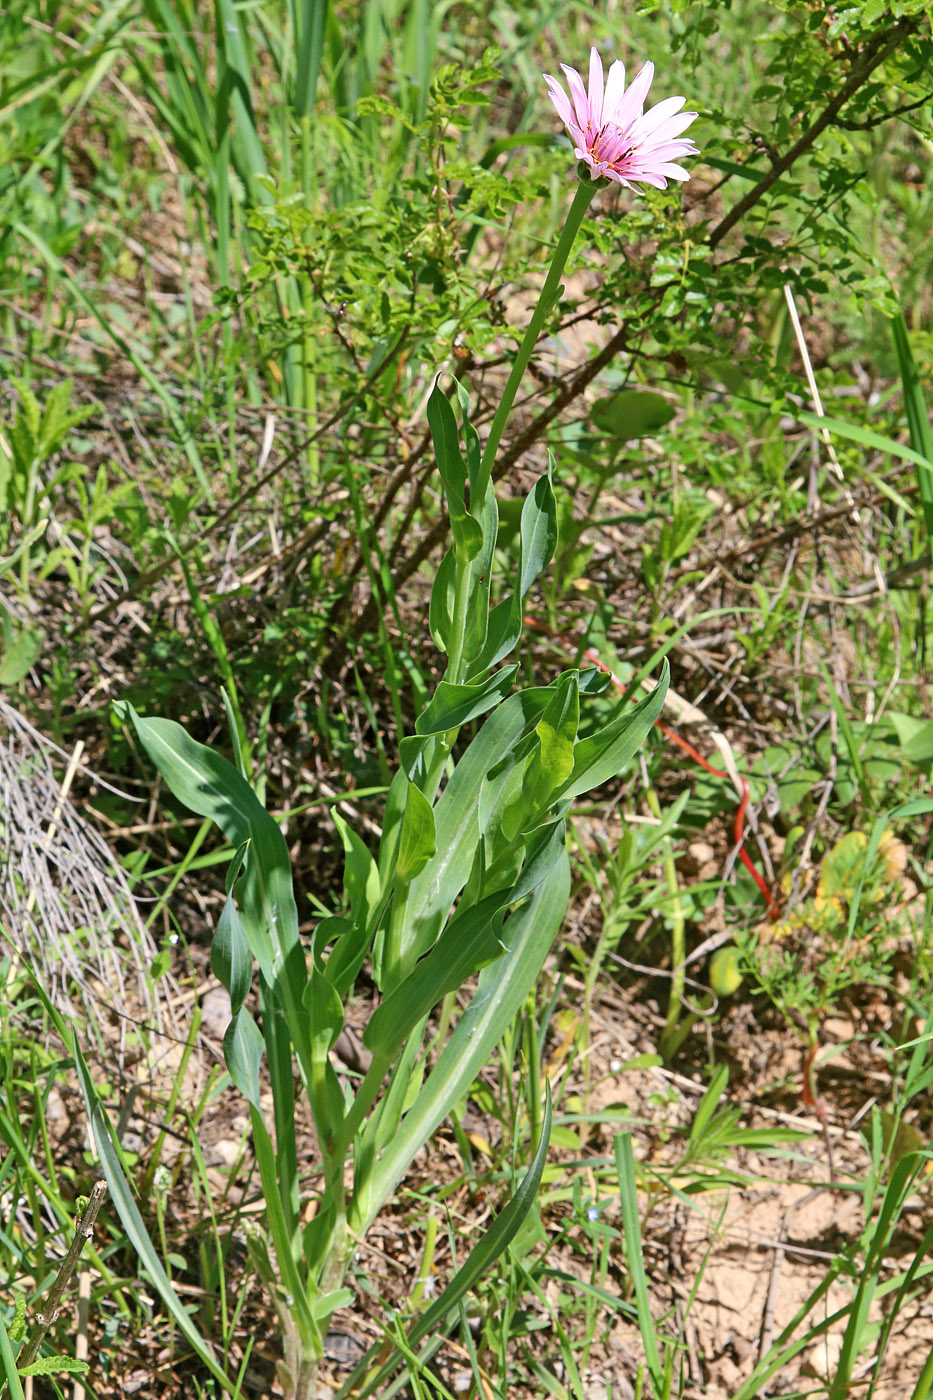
x=870 y=123
x=876 y=51
x=83 y=1232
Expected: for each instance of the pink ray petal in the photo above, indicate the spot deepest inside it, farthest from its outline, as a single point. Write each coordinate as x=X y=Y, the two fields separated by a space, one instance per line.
x=673 y=172
x=673 y=126
x=560 y=100
x=578 y=92
x=633 y=104
x=661 y=112
x=596 y=87
x=615 y=87
x=666 y=150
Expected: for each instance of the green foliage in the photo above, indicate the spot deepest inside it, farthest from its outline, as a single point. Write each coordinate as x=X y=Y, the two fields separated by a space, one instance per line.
x=56 y=1366
x=35 y=435
x=36 y=490
x=278 y=223
x=841 y=938
x=472 y=880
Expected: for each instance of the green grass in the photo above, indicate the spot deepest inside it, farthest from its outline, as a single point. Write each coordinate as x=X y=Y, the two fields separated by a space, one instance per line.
x=238 y=243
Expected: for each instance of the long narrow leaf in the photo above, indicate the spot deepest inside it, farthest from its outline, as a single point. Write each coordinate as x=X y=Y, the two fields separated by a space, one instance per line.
x=481 y=1258
x=132 y=1221
x=924 y=1384
x=310 y=20
x=8 y=1363
x=500 y=992
x=865 y=438
x=631 y=1227
x=435 y=888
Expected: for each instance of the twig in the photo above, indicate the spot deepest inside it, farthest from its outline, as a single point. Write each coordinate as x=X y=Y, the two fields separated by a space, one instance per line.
x=880 y=47
x=870 y=123
x=767 y=1321
x=83 y=1232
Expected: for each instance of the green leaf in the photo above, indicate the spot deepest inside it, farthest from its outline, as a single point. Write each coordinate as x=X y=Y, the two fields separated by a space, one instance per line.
x=210 y=786
x=707 y=1106
x=325 y=1007
x=538 y=542
x=503 y=629
x=467 y=532
x=864 y=436
x=552 y=762
x=231 y=963
x=454 y=705
x=346 y=958
x=915 y=737
x=432 y=892
x=601 y=756
x=243 y=1047
x=918 y=420
x=471 y=439
x=417 y=839
x=469 y=942
x=500 y=992
x=27 y=541
x=130 y=1217
x=311 y=30
x=235 y=867
x=480 y=579
x=8 y=1365
x=56 y=1366
x=539 y=531
x=441 y=610
x=20 y=658
x=631 y=1233
x=360 y=875
x=328 y=1303
x=920 y=747
x=18 y=1325
x=632 y=413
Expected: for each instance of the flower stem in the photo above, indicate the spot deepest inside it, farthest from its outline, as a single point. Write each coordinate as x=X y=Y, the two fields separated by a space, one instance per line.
x=549 y=294
x=456 y=665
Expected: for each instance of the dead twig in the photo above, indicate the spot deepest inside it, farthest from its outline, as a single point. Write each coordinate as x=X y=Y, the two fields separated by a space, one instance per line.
x=83 y=1232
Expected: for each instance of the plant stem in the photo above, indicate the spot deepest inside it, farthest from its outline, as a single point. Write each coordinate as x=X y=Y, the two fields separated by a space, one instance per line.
x=546 y=300
x=670 y=1038
x=83 y=1232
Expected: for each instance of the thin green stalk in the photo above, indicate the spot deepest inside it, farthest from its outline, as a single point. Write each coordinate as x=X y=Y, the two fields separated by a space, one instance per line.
x=549 y=295
x=670 y=1039
x=309 y=333
x=546 y=300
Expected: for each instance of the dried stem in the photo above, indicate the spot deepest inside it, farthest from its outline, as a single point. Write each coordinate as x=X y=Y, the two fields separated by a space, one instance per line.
x=83 y=1232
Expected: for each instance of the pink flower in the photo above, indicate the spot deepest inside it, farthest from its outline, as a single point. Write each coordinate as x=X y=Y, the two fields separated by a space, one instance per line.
x=614 y=134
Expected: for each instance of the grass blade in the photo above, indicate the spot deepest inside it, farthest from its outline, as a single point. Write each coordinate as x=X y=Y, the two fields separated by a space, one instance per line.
x=8 y=1366
x=631 y=1227
x=918 y=422
x=131 y=1219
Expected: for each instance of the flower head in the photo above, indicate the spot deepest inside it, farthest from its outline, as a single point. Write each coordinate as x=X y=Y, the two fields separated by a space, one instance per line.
x=612 y=132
